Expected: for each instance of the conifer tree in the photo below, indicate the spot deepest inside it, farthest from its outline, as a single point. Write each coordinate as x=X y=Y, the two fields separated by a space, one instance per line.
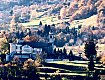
x=90 y=52
x=40 y=24
x=91 y=64
x=64 y=53
x=90 y=49
x=55 y=51
x=71 y=56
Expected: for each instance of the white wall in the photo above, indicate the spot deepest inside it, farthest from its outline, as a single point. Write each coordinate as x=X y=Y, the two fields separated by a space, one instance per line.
x=27 y=49
x=18 y=48
x=12 y=47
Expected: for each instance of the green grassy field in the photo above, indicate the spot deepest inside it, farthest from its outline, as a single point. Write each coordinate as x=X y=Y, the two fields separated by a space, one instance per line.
x=45 y=20
x=63 y=68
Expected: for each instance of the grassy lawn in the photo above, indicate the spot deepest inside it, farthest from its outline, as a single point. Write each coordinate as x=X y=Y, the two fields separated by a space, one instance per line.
x=64 y=71
x=70 y=74
x=70 y=63
x=53 y=68
x=60 y=68
x=45 y=20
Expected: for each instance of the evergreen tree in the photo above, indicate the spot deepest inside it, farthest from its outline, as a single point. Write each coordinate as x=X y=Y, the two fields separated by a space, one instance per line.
x=67 y=29
x=17 y=34
x=22 y=34
x=61 y=54
x=68 y=4
x=70 y=55
x=55 y=51
x=11 y=12
x=58 y=52
x=79 y=27
x=47 y=29
x=93 y=28
x=53 y=25
x=64 y=53
x=40 y=24
x=90 y=49
x=91 y=64
x=39 y=32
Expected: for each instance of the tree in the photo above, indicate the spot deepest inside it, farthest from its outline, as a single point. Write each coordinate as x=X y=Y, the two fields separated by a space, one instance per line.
x=47 y=29
x=70 y=53
x=70 y=56
x=55 y=51
x=64 y=53
x=91 y=64
x=79 y=26
x=40 y=24
x=30 y=67
x=102 y=60
x=90 y=49
x=68 y=4
x=20 y=34
x=53 y=25
x=93 y=28
x=39 y=32
x=31 y=38
x=67 y=29
x=4 y=48
x=4 y=45
x=38 y=60
x=60 y=51
x=11 y=12
x=64 y=3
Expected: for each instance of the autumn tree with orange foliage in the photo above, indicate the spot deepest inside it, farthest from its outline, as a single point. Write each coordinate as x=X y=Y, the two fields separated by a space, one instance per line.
x=102 y=60
x=31 y=39
x=80 y=9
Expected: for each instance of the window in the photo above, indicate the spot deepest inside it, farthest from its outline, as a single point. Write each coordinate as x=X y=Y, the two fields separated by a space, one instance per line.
x=51 y=37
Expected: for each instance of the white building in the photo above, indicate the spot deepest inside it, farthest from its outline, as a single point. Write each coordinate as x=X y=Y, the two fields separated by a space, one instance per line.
x=25 y=50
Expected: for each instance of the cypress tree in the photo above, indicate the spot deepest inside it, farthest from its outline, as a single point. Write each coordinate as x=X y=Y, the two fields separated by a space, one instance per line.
x=90 y=52
x=64 y=51
x=91 y=64
x=71 y=56
x=40 y=24
x=55 y=51
x=90 y=49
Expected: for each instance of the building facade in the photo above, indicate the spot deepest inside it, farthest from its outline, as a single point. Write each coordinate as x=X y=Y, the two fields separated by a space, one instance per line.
x=25 y=50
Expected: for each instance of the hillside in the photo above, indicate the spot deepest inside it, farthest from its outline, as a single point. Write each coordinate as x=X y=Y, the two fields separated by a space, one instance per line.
x=92 y=21
x=80 y=9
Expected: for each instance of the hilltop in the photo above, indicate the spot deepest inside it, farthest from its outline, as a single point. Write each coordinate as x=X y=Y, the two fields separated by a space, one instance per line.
x=80 y=9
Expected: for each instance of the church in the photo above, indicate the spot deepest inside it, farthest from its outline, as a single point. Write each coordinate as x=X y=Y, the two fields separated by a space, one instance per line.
x=25 y=50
